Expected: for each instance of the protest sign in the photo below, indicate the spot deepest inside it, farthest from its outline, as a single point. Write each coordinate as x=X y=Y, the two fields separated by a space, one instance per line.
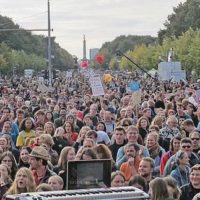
x=96 y=85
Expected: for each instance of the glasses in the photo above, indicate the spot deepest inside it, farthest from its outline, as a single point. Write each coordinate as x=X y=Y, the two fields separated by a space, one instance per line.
x=194 y=138
x=186 y=147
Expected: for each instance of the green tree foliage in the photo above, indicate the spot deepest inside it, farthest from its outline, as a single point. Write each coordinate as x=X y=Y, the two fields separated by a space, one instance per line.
x=124 y=44
x=25 y=50
x=185 y=16
x=186 y=48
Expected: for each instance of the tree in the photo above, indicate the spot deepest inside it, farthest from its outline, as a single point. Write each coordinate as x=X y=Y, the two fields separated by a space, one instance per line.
x=186 y=15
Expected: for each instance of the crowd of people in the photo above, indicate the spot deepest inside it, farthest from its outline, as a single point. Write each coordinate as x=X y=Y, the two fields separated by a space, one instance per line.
x=153 y=144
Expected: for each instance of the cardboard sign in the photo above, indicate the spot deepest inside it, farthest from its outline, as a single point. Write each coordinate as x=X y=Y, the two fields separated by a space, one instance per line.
x=135 y=99
x=96 y=85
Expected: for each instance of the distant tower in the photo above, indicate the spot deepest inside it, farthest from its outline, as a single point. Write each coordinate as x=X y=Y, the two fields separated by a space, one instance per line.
x=84 y=48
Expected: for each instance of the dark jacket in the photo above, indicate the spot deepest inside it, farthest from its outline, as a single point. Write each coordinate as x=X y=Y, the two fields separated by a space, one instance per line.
x=188 y=192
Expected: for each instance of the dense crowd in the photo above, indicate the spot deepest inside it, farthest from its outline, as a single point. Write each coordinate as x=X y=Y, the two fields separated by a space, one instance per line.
x=153 y=143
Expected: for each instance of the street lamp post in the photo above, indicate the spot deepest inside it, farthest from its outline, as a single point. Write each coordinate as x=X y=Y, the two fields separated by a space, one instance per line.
x=49 y=46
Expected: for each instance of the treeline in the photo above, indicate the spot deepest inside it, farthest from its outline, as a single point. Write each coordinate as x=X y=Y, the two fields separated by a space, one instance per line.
x=181 y=32
x=186 y=49
x=22 y=50
x=124 y=44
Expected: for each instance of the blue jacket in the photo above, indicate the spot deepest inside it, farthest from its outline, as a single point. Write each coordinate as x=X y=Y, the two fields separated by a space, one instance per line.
x=181 y=176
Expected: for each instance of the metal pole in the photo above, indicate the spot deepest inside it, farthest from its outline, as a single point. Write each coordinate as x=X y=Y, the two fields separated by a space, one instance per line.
x=49 y=46
x=119 y=53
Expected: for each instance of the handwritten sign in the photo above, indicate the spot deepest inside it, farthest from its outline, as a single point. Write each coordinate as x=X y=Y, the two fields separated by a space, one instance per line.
x=96 y=85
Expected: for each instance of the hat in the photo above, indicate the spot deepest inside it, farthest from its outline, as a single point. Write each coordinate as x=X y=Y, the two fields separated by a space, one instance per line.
x=40 y=152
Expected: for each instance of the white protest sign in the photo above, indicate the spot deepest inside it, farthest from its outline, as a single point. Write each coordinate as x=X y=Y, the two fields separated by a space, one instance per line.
x=96 y=85
x=69 y=75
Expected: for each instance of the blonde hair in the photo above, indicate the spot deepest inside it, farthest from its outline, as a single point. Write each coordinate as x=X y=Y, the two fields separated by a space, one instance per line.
x=58 y=178
x=63 y=157
x=46 y=139
x=43 y=187
x=30 y=186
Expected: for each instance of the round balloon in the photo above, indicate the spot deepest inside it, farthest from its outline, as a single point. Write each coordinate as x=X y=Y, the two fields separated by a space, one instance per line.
x=99 y=58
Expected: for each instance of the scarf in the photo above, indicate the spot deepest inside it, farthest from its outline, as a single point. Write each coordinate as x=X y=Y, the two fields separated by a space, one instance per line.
x=154 y=151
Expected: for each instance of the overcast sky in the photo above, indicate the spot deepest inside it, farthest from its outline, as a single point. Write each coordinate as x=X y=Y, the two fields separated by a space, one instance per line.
x=99 y=20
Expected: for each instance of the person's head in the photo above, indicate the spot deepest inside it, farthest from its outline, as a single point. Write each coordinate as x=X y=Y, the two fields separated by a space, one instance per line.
x=49 y=116
x=24 y=155
x=9 y=159
x=146 y=167
x=143 y=122
x=49 y=128
x=158 y=189
x=33 y=100
x=40 y=116
x=20 y=114
x=84 y=130
x=88 y=120
x=181 y=158
x=70 y=118
x=179 y=108
x=23 y=182
x=20 y=102
x=43 y=187
x=172 y=122
x=38 y=158
x=5 y=173
x=123 y=113
x=157 y=121
x=27 y=124
x=119 y=135
x=126 y=122
x=6 y=127
x=91 y=134
x=175 y=143
x=101 y=126
x=103 y=151
x=195 y=176
x=56 y=183
x=67 y=154
x=107 y=116
x=117 y=179
x=88 y=143
x=6 y=112
x=68 y=127
x=186 y=146
x=46 y=141
x=129 y=111
x=59 y=132
x=63 y=113
x=147 y=112
x=132 y=134
x=88 y=154
x=131 y=150
x=125 y=101
x=195 y=137
x=93 y=109
x=138 y=182
x=188 y=125
x=172 y=187
x=152 y=139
